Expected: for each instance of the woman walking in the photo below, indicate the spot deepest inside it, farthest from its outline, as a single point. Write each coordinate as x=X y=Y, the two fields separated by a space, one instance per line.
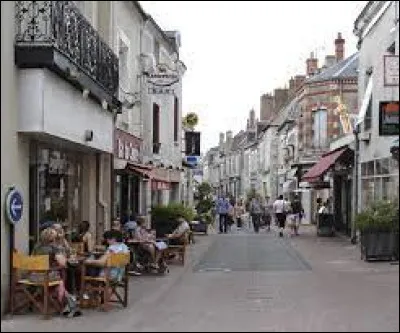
x=279 y=207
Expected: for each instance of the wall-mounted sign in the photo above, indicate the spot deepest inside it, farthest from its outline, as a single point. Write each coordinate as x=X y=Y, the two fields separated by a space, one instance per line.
x=391 y=70
x=160 y=186
x=192 y=143
x=162 y=80
x=389 y=118
x=161 y=90
x=14 y=206
x=126 y=146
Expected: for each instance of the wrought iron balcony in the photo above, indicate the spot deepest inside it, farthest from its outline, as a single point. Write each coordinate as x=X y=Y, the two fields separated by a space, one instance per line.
x=55 y=34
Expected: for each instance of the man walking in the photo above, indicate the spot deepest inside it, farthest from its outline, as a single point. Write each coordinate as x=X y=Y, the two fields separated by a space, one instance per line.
x=298 y=212
x=223 y=207
x=280 y=213
x=256 y=211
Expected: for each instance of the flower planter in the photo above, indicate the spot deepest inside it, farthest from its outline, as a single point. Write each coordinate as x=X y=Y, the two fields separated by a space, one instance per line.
x=199 y=226
x=379 y=245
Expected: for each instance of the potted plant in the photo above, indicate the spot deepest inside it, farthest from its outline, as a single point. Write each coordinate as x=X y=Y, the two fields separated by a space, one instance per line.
x=164 y=218
x=379 y=230
x=204 y=206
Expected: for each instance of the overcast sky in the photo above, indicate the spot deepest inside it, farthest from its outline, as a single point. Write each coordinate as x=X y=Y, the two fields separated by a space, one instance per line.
x=236 y=51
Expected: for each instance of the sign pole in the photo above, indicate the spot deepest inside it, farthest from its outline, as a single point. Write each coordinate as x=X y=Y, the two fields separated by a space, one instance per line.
x=12 y=240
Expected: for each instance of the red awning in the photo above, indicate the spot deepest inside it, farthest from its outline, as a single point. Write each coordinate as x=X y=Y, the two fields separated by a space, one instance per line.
x=142 y=171
x=323 y=165
x=147 y=172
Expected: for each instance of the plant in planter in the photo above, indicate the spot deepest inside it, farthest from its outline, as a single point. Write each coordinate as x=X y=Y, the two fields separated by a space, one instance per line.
x=164 y=218
x=379 y=229
x=205 y=204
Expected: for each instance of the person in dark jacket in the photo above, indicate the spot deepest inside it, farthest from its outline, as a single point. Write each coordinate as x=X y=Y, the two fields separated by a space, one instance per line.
x=297 y=213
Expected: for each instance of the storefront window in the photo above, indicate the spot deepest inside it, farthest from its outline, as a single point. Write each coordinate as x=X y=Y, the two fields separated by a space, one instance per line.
x=58 y=184
x=386 y=188
x=382 y=166
x=368 y=192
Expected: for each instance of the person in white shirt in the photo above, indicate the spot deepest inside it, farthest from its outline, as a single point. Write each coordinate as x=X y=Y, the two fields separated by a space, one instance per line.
x=176 y=238
x=279 y=208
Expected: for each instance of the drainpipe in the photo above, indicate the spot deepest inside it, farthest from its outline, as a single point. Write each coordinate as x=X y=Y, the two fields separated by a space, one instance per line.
x=355 y=185
x=101 y=200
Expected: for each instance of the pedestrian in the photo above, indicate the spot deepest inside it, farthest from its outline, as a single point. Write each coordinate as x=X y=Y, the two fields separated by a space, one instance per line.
x=298 y=213
x=279 y=208
x=239 y=212
x=223 y=207
x=255 y=211
x=266 y=216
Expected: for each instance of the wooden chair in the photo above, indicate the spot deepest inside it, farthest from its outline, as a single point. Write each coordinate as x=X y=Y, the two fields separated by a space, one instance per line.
x=180 y=250
x=104 y=285
x=35 y=293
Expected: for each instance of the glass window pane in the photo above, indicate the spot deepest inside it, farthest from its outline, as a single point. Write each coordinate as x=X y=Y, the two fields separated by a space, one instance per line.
x=378 y=189
x=386 y=188
x=363 y=169
x=367 y=192
x=382 y=166
x=370 y=168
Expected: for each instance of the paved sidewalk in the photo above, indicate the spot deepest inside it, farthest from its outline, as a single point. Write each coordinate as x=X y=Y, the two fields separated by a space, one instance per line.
x=144 y=291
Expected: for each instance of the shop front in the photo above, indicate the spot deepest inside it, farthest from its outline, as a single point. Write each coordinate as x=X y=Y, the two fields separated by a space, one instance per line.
x=128 y=175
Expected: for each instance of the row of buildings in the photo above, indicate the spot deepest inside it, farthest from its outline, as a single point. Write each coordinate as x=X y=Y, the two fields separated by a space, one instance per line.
x=91 y=100
x=310 y=136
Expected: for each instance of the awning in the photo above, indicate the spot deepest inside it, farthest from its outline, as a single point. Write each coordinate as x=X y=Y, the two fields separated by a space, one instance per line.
x=323 y=165
x=142 y=171
x=365 y=102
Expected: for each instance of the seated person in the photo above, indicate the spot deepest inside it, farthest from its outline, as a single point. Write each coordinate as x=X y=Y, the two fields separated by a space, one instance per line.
x=116 y=225
x=148 y=242
x=176 y=238
x=112 y=237
x=48 y=246
x=130 y=226
x=61 y=241
x=86 y=237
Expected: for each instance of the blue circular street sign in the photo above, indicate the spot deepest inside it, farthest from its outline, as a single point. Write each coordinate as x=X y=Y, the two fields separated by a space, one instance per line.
x=14 y=206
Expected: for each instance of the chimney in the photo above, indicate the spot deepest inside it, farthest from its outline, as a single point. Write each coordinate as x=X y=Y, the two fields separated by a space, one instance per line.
x=312 y=65
x=229 y=139
x=291 y=83
x=266 y=107
x=221 y=141
x=339 y=47
x=330 y=60
x=298 y=82
x=281 y=96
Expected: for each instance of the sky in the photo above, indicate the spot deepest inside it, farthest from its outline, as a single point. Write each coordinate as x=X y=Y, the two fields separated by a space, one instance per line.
x=236 y=51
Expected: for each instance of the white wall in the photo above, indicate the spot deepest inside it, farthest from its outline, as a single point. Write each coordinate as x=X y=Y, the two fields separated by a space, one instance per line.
x=14 y=147
x=127 y=28
x=372 y=50
x=50 y=105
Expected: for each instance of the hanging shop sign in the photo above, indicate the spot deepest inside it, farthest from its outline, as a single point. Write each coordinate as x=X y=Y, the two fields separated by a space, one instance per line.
x=389 y=118
x=126 y=146
x=160 y=186
x=192 y=143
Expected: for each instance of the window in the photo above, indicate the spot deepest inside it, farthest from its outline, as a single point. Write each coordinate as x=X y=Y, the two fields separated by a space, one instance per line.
x=176 y=118
x=320 y=123
x=156 y=128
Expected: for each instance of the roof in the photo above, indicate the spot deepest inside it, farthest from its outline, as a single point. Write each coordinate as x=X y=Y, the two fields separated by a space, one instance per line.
x=239 y=140
x=344 y=69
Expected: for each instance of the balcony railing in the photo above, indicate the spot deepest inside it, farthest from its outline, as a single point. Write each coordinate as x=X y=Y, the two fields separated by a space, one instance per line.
x=47 y=29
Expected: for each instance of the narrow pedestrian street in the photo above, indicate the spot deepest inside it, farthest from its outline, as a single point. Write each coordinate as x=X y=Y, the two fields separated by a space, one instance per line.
x=252 y=282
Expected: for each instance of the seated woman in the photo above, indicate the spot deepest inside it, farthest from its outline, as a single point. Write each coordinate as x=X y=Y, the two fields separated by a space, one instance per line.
x=112 y=238
x=48 y=246
x=176 y=238
x=61 y=241
x=86 y=237
x=148 y=242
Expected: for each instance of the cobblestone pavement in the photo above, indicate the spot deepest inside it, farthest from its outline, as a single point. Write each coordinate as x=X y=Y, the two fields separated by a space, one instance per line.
x=245 y=282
